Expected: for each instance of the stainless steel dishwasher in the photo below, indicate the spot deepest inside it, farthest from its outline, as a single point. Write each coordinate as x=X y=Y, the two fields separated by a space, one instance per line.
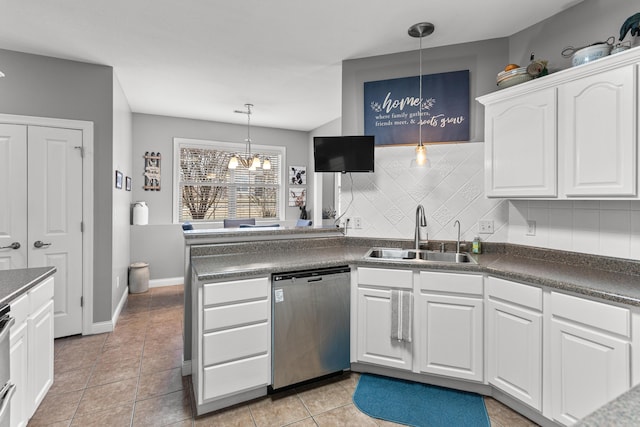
x=310 y=324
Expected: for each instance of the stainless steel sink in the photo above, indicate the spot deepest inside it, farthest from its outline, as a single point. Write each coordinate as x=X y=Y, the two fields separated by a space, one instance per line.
x=391 y=253
x=417 y=256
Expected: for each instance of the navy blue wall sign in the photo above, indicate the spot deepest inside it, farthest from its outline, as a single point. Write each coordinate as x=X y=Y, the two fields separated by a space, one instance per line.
x=391 y=108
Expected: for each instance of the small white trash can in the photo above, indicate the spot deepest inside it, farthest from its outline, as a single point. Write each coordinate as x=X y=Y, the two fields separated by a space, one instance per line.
x=138 y=277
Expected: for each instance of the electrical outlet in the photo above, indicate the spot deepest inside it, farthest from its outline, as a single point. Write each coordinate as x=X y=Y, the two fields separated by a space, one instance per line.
x=531 y=228
x=485 y=226
x=357 y=222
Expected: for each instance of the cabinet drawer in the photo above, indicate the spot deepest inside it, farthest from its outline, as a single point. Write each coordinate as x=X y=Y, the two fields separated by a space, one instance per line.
x=517 y=293
x=237 y=343
x=226 y=316
x=595 y=314
x=451 y=282
x=385 y=277
x=20 y=309
x=237 y=290
x=39 y=295
x=236 y=376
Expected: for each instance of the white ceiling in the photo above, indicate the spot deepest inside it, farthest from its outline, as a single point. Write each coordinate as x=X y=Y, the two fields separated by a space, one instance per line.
x=203 y=59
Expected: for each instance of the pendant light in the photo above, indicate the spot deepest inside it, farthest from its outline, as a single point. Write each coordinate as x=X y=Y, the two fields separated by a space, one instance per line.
x=249 y=161
x=421 y=30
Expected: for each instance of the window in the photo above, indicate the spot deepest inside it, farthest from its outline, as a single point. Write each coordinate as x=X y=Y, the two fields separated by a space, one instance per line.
x=206 y=190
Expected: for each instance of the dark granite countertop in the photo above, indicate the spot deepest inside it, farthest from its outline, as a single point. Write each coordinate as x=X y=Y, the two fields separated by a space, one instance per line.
x=569 y=273
x=14 y=283
x=621 y=412
x=223 y=235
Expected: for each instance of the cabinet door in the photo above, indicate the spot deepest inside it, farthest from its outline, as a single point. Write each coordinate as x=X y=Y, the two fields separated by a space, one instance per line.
x=515 y=351
x=374 y=331
x=597 y=117
x=450 y=336
x=588 y=369
x=40 y=332
x=520 y=146
x=19 y=370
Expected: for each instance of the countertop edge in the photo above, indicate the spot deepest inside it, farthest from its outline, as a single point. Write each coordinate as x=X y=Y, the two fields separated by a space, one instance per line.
x=25 y=280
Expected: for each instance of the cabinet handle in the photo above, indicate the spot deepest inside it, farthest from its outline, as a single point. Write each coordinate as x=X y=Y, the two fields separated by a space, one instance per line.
x=41 y=244
x=14 y=245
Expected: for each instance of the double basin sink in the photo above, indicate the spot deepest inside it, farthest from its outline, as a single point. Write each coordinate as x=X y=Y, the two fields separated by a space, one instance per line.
x=413 y=255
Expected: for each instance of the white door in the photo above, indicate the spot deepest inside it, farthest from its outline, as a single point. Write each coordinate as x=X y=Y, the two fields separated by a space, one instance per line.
x=515 y=351
x=13 y=196
x=55 y=218
x=520 y=147
x=41 y=182
x=450 y=336
x=374 y=331
x=597 y=116
x=588 y=369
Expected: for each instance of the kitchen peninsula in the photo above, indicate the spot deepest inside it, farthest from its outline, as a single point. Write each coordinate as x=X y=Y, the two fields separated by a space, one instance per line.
x=572 y=296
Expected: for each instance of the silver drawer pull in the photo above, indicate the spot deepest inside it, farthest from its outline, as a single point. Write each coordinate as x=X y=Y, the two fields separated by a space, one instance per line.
x=41 y=244
x=14 y=245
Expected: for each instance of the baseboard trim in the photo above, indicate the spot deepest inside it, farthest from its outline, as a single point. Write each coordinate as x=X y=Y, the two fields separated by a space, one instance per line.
x=109 y=325
x=102 y=327
x=120 y=306
x=186 y=368
x=170 y=281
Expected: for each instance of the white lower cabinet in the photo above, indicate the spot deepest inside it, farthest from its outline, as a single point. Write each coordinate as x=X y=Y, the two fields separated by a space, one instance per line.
x=514 y=340
x=232 y=342
x=590 y=356
x=31 y=350
x=449 y=325
x=374 y=342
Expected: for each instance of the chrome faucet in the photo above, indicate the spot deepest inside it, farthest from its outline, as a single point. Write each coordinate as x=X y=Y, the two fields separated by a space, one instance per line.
x=421 y=221
x=458 y=241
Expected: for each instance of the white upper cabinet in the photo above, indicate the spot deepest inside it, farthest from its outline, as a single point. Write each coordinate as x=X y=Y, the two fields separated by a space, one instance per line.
x=572 y=134
x=520 y=150
x=597 y=117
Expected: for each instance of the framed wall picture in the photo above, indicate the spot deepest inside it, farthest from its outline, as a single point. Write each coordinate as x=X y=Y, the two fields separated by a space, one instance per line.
x=127 y=183
x=298 y=175
x=392 y=109
x=297 y=196
x=119 y=180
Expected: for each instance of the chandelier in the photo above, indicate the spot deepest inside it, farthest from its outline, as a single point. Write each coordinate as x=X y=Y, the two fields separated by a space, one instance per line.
x=419 y=31
x=249 y=161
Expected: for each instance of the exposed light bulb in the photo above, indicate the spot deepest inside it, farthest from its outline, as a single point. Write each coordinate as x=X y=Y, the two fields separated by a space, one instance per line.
x=233 y=162
x=421 y=155
x=266 y=164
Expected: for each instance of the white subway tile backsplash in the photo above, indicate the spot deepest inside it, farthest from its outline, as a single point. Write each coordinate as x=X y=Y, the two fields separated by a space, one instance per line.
x=615 y=227
x=560 y=228
x=586 y=230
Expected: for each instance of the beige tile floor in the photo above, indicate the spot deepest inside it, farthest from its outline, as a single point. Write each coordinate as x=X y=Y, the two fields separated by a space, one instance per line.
x=132 y=377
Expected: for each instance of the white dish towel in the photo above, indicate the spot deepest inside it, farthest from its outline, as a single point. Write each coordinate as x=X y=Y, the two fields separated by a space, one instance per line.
x=401 y=315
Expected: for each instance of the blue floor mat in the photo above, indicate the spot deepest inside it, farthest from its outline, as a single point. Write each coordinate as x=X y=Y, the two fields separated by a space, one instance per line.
x=417 y=404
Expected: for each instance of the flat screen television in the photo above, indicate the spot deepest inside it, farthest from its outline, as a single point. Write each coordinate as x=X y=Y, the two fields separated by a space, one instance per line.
x=344 y=153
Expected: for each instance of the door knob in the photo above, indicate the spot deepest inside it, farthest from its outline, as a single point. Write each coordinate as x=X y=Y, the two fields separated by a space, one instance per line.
x=41 y=244
x=14 y=245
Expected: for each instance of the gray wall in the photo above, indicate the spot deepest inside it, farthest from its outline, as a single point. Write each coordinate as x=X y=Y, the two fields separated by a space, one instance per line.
x=48 y=87
x=483 y=60
x=122 y=141
x=161 y=243
x=328 y=179
x=588 y=22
